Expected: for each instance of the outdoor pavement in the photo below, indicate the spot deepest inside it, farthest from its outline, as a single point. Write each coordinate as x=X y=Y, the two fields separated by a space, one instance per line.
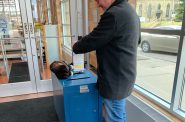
x=155 y=73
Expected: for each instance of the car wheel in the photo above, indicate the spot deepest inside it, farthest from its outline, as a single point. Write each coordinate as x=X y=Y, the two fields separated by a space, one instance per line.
x=145 y=46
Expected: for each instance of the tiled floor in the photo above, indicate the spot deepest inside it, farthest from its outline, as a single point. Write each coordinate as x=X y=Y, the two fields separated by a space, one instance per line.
x=46 y=94
x=24 y=97
x=157 y=107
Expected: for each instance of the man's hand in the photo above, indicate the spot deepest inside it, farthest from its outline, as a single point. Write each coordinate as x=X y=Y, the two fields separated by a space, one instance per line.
x=74 y=45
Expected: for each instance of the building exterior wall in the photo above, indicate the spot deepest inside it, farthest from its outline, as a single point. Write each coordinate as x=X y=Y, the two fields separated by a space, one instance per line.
x=156 y=9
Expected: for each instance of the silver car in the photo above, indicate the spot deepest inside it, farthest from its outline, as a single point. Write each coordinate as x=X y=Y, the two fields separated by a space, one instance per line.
x=159 y=42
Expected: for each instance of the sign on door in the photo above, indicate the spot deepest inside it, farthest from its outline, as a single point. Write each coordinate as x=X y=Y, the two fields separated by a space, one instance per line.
x=3 y=25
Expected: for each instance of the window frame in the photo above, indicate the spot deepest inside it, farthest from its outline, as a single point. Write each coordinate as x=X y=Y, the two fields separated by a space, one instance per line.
x=178 y=84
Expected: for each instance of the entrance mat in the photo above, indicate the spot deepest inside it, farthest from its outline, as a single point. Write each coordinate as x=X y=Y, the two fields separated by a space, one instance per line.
x=19 y=72
x=32 y=110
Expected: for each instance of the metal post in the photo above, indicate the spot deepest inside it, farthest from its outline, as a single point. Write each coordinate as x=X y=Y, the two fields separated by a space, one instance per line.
x=49 y=11
x=85 y=28
x=178 y=80
x=4 y=56
x=78 y=59
x=40 y=50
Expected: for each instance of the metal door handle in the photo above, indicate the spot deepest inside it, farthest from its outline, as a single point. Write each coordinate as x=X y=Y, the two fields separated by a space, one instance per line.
x=26 y=28
x=31 y=28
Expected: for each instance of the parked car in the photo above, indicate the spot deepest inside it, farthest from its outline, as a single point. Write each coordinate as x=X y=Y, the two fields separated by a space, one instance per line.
x=160 y=42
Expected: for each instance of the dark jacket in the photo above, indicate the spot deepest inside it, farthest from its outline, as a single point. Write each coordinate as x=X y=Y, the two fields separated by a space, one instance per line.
x=115 y=40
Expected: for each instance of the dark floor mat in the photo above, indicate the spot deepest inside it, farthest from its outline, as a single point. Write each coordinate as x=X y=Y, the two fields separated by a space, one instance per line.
x=33 y=110
x=19 y=72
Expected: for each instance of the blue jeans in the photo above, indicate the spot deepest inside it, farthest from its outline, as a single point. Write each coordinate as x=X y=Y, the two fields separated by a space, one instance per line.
x=115 y=110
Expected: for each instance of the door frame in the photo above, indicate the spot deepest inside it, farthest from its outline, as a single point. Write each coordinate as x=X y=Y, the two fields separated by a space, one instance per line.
x=36 y=84
x=76 y=12
x=41 y=85
x=12 y=89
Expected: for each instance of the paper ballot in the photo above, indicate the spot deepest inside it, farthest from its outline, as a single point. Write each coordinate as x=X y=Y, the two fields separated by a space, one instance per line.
x=78 y=62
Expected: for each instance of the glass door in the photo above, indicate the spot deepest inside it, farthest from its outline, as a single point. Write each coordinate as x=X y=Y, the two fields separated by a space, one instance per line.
x=34 y=33
x=55 y=26
x=45 y=18
x=16 y=66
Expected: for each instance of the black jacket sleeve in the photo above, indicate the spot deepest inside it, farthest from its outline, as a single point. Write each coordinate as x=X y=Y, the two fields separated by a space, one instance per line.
x=99 y=37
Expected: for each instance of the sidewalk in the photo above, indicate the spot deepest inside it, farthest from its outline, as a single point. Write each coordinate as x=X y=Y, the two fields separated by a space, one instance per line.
x=156 y=76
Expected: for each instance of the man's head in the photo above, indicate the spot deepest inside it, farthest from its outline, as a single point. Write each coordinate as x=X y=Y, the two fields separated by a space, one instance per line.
x=104 y=4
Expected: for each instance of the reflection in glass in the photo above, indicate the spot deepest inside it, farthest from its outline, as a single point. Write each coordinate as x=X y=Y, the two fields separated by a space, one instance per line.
x=13 y=58
x=46 y=31
x=42 y=18
x=66 y=25
x=157 y=53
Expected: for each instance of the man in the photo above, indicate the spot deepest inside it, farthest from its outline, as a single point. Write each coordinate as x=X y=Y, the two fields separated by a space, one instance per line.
x=115 y=40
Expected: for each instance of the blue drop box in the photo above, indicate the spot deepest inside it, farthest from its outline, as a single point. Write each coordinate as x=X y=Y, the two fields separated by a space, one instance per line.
x=77 y=99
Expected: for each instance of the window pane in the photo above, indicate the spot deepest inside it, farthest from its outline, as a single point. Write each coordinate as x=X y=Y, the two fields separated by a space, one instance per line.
x=66 y=23
x=161 y=23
